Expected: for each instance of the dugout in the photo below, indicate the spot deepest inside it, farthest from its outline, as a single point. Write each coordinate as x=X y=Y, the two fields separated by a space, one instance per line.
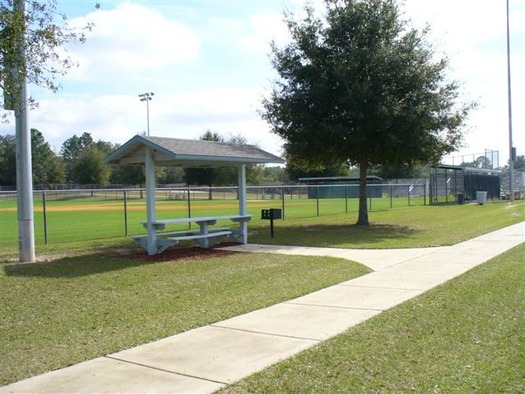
x=342 y=187
x=455 y=184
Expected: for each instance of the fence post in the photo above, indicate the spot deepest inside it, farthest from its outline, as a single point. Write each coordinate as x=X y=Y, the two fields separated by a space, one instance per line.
x=346 y=198
x=282 y=202
x=446 y=185
x=189 y=206
x=44 y=209
x=317 y=190
x=125 y=212
x=409 y=190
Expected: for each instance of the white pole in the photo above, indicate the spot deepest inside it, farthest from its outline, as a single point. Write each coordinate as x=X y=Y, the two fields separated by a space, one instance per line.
x=511 y=150
x=242 y=202
x=24 y=176
x=147 y=97
x=150 y=202
x=147 y=113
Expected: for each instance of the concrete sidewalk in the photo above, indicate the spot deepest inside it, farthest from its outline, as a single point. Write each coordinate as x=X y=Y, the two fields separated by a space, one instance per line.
x=208 y=358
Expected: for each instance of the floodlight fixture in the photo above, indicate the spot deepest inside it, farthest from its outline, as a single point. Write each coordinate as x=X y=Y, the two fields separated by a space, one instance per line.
x=147 y=97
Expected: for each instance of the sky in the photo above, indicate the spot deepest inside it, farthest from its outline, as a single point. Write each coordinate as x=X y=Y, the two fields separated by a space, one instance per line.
x=207 y=63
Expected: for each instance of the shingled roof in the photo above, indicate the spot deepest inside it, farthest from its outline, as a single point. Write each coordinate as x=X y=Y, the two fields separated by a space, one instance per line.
x=188 y=153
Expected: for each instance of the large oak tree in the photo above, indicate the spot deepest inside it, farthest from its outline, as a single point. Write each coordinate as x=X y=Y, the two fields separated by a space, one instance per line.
x=360 y=86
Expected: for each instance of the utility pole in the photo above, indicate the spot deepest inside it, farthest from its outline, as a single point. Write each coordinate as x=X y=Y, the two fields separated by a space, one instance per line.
x=24 y=175
x=511 y=148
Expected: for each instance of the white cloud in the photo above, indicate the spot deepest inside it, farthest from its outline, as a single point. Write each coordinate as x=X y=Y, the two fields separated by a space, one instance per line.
x=472 y=33
x=131 y=39
x=191 y=95
x=109 y=118
x=226 y=111
x=117 y=118
x=263 y=29
x=209 y=69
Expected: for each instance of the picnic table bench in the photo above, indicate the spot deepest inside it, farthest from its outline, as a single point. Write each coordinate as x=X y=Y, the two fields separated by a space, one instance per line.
x=204 y=236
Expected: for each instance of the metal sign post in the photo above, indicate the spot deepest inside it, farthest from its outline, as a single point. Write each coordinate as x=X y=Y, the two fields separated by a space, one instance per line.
x=271 y=214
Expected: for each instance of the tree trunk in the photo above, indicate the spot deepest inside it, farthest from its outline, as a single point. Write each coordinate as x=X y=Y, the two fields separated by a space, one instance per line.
x=362 y=219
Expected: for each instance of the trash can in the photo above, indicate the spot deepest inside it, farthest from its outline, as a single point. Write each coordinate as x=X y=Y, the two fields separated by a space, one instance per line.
x=460 y=198
x=481 y=197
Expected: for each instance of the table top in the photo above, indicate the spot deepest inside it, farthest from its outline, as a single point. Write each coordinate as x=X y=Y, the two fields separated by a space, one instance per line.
x=208 y=219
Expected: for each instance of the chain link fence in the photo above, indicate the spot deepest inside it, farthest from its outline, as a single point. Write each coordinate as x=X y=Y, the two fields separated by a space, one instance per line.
x=80 y=215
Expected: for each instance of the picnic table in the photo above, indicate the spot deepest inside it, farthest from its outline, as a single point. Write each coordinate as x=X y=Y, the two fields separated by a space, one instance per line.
x=206 y=236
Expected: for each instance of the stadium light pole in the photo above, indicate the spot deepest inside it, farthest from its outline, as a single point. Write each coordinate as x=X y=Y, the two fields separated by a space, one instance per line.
x=147 y=97
x=511 y=148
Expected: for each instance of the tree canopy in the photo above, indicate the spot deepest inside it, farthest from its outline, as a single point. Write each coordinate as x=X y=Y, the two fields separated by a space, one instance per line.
x=81 y=161
x=361 y=86
x=203 y=176
x=89 y=167
x=223 y=176
x=7 y=160
x=47 y=169
x=43 y=33
x=71 y=149
x=519 y=163
x=84 y=160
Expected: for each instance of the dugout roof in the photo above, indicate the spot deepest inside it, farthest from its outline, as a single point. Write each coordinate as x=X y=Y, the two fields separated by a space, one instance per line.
x=188 y=153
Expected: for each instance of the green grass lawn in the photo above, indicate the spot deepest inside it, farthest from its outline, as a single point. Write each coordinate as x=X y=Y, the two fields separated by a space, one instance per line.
x=401 y=226
x=466 y=336
x=70 y=309
x=91 y=219
x=89 y=298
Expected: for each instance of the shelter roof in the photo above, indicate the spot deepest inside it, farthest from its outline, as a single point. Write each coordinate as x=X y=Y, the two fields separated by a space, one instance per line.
x=188 y=153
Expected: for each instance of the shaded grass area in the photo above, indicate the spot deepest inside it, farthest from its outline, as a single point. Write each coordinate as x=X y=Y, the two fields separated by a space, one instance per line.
x=70 y=309
x=405 y=227
x=467 y=335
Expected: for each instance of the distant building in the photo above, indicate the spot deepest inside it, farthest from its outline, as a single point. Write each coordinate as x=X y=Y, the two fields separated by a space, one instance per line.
x=519 y=184
x=458 y=184
x=341 y=186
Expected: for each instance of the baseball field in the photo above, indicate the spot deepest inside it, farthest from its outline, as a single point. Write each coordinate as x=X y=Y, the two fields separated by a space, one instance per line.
x=94 y=216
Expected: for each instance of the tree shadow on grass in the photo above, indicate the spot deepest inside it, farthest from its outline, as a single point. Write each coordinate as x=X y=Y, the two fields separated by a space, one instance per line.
x=337 y=235
x=103 y=261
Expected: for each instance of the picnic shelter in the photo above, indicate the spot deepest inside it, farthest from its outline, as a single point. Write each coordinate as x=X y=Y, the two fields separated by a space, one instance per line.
x=152 y=152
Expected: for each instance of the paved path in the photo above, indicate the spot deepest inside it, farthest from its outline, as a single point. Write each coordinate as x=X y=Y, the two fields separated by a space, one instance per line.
x=208 y=358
